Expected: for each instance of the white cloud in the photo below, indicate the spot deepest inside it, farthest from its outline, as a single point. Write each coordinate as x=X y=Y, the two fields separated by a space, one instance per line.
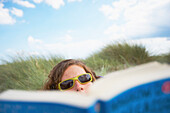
x=37 y=1
x=32 y=40
x=55 y=3
x=24 y=3
x=79 y=49
x=17 y=12
x=83 y=49
x=137 y=18
x=156 y=45
x=71 y=49
x=35 y=44
x=68 y=38
x=110 y=12
x=74 y=0
x=5 y=18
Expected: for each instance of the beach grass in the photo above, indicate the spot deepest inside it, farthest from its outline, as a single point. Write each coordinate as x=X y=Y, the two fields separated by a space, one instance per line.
x=30 y=73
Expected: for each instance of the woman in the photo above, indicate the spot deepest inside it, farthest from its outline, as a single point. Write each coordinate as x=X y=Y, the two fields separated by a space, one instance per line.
x=71 y=75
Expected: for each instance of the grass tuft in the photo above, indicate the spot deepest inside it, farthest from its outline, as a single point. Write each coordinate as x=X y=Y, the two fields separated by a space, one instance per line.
x=118 y=56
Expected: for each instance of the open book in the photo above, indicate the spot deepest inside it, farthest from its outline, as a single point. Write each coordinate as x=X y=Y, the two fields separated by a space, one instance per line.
x=144 y=88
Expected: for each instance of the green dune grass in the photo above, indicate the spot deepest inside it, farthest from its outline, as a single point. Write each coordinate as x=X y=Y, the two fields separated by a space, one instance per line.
x=26 y=73
x=118 y=56
x=29 y=73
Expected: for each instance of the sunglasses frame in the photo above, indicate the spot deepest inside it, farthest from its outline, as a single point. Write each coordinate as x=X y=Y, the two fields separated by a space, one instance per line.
x=75 y=78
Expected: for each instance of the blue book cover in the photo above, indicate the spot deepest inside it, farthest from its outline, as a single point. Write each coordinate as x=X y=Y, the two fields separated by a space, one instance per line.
x=17 y=101
x=139 y=89
x=147 y=98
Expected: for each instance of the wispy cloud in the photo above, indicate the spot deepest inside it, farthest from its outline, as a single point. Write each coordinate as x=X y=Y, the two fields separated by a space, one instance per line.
x=82 y=49
x=79 y=49
x=5 y=17
x=35 y=44
x=156 y=45
x=71 y=49
x=32 y=40
x=68 y=38
x=24 y=3
x=37 y=1
x=74 y=1
x=55 y=3
x=134 y=18
x=17 y=12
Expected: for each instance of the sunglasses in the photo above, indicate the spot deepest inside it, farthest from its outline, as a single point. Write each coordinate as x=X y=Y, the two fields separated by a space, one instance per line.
x=69 y=83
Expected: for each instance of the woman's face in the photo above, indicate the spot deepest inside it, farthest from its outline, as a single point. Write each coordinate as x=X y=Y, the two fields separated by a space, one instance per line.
x=73 y=71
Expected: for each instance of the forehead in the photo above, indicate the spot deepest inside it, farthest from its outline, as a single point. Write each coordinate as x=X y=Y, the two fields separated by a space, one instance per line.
x=72 y=71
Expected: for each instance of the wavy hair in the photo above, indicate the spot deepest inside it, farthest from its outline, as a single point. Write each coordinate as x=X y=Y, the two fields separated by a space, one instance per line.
x=57 y=72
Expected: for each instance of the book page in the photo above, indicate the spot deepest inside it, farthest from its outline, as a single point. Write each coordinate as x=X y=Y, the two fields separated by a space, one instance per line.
x=69 y=98
x=116 y=82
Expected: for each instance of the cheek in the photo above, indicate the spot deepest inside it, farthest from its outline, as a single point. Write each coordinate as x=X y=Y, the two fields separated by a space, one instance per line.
x=88 y=85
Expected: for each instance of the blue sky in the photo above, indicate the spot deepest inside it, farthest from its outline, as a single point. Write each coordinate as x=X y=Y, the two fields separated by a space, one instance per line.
x=78 y=28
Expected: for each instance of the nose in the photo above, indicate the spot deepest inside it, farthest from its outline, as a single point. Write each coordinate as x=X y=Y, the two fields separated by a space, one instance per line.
x=78 y=86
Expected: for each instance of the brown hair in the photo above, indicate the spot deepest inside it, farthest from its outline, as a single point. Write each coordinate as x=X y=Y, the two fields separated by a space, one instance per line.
x=57 y=72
